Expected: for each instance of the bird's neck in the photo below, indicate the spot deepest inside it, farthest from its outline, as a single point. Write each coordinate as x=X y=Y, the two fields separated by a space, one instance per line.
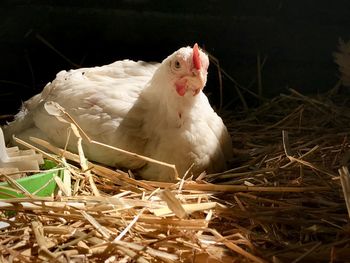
x=166 y=105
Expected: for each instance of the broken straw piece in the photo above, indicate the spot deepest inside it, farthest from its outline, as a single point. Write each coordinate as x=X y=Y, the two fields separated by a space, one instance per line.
x=20 y=159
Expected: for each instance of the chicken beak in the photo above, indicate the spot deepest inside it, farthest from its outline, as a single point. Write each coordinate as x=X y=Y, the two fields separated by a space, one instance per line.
x=196 y=82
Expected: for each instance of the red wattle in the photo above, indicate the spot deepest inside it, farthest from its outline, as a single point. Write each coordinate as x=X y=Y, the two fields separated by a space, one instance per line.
x=181 y=89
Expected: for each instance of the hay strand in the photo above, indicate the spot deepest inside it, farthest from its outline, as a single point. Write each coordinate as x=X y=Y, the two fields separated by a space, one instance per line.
x=285 y=199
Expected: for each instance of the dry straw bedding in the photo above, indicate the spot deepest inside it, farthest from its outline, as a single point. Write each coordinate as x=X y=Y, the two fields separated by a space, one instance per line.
x=282 y=201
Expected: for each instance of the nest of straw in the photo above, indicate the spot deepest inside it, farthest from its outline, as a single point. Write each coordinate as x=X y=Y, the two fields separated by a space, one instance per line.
x=285 y=200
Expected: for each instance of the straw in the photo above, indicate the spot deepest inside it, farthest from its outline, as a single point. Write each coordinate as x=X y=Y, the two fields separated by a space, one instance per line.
x=285 y=198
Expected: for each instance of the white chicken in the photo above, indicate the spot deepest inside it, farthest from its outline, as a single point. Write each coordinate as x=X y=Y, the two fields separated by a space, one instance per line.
x=156 y=110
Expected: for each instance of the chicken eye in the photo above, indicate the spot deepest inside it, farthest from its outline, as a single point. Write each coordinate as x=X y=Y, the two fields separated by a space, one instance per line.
x=177 y=64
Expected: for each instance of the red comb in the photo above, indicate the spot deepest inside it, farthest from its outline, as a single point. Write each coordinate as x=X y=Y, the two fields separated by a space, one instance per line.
x=196 y=59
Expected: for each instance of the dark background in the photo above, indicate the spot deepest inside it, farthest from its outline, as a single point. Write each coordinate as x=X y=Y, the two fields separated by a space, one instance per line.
x=297 y=39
